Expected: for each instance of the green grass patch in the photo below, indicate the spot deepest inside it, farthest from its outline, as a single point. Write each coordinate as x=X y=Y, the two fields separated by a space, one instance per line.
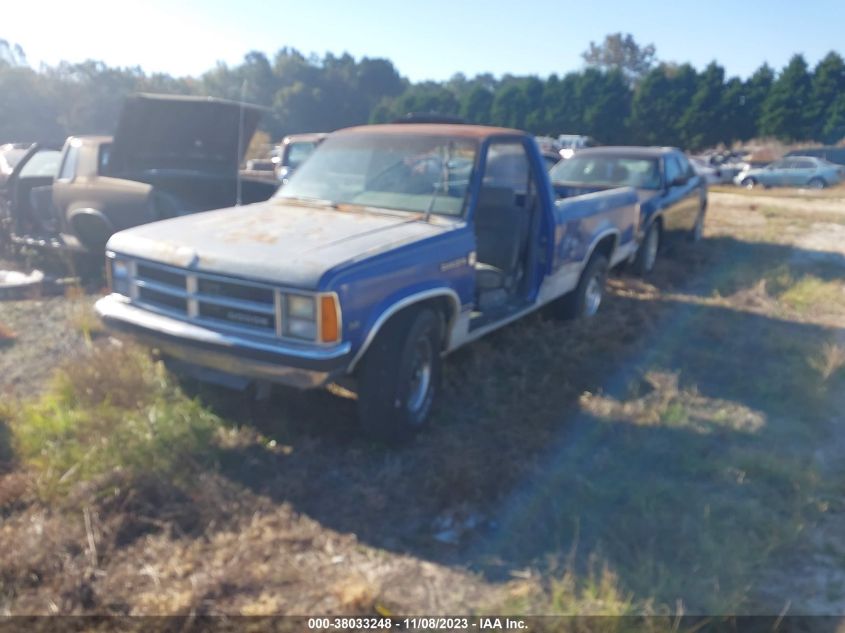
x=111 y=413
x=811 y=294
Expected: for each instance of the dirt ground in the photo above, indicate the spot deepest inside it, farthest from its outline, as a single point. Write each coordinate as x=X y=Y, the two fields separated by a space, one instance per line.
x=679 y=454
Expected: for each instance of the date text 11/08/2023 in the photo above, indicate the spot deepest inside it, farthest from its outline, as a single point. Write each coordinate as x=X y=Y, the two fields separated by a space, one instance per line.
x=416 y=624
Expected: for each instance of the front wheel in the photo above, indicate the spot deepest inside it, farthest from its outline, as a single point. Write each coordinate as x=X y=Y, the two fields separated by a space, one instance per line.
x=817 y=183
x=400 y=375
x=749 y=183
x=584 y=301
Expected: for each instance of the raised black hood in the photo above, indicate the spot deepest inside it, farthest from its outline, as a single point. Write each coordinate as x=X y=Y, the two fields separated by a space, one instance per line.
x=170 y=132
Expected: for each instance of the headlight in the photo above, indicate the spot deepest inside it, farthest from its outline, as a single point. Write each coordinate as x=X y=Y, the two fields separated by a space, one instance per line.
x=312 y=318
x=301 y=307
x=120 y=276
x=300 y=317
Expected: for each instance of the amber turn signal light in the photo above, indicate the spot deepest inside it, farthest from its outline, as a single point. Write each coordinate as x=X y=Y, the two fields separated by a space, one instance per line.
x=329 y=319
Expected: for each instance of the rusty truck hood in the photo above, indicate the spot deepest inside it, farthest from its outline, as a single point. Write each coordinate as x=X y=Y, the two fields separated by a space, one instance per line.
x=170 y=132
x=274 y=241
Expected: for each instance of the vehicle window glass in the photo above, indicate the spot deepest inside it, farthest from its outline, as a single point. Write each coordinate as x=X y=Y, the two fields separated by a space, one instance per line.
x=608 y=171
x=686 y=168
x=507 y=166
x=11 y=157
x=103 y=158
x=69 y=164
x=44 y=163
x=298 y=152
x=804 y=164
x=673 y=169
x=399 y=172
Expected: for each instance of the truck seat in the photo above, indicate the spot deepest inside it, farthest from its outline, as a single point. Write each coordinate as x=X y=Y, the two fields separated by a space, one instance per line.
x=501 y=229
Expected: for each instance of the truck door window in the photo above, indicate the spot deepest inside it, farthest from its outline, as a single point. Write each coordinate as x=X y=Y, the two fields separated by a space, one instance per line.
x=44 y=163
x=673 y=170
x=686 y=167
x=507 y=166
x=103 y=158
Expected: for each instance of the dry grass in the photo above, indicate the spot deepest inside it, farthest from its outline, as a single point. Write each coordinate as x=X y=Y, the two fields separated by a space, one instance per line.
x=665 y=451
x=6 y=334
x=830 y=361
x=836 y=192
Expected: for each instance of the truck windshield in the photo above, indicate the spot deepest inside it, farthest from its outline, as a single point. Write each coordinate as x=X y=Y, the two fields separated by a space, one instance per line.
x=608 y=171
x=402 y=172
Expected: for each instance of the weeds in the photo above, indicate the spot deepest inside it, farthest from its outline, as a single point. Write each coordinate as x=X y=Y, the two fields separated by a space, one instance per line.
x=113 y=412
x=81 y=315
x=829 y=361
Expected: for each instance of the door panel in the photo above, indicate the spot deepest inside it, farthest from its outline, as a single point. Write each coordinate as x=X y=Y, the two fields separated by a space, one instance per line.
x=125 y=203
x=802 y=172
x=681 y=201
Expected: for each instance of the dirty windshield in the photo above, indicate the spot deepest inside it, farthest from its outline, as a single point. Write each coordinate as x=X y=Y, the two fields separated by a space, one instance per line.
x=612 y=171
x=401 y=172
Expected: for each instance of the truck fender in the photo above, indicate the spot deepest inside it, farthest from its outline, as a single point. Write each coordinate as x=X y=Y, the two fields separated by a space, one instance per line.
x=91 y=226
x=654 y=217
x=598 y=238
x=401 y=304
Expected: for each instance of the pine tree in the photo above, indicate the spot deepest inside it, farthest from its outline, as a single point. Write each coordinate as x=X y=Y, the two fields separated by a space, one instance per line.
x=702 y=124
x=828 y=85
x=476 y=106
x=785 y=112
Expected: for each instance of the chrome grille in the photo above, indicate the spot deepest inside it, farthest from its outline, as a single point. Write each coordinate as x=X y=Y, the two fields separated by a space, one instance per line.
x=212 y=299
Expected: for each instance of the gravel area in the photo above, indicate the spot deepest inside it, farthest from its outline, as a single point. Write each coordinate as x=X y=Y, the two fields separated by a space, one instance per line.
x=44 y=335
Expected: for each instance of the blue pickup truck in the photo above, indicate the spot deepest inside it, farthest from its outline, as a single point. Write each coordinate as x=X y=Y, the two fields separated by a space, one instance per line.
x=390 y=247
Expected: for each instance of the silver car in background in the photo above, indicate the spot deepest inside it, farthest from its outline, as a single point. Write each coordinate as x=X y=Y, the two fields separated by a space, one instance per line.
x=792 y=171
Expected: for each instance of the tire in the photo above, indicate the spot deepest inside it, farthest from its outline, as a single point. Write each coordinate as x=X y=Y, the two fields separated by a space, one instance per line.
x=817 y=183
x=582 y=303
x=749 y=183
x=697 y=232
x=399 y=376
x=647 y=252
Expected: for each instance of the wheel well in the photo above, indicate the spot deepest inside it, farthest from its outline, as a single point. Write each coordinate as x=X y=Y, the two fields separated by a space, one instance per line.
x=659 y=222
x=91 y=227
x=442 y=306
x=605 y=246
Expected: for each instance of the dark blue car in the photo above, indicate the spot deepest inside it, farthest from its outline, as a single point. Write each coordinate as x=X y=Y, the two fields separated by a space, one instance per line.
x=673 y=197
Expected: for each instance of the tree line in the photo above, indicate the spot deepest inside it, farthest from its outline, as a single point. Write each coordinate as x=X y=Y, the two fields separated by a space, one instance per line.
x=622 y=95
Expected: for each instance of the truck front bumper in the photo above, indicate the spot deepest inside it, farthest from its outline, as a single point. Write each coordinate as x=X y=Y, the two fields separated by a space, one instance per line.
x=279 y=363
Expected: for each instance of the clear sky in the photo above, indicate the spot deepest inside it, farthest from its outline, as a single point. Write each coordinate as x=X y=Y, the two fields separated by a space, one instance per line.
x=426 y=39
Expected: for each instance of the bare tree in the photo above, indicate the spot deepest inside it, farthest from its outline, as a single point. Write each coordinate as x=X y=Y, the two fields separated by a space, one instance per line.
x=620 y=51
x=11 y=54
